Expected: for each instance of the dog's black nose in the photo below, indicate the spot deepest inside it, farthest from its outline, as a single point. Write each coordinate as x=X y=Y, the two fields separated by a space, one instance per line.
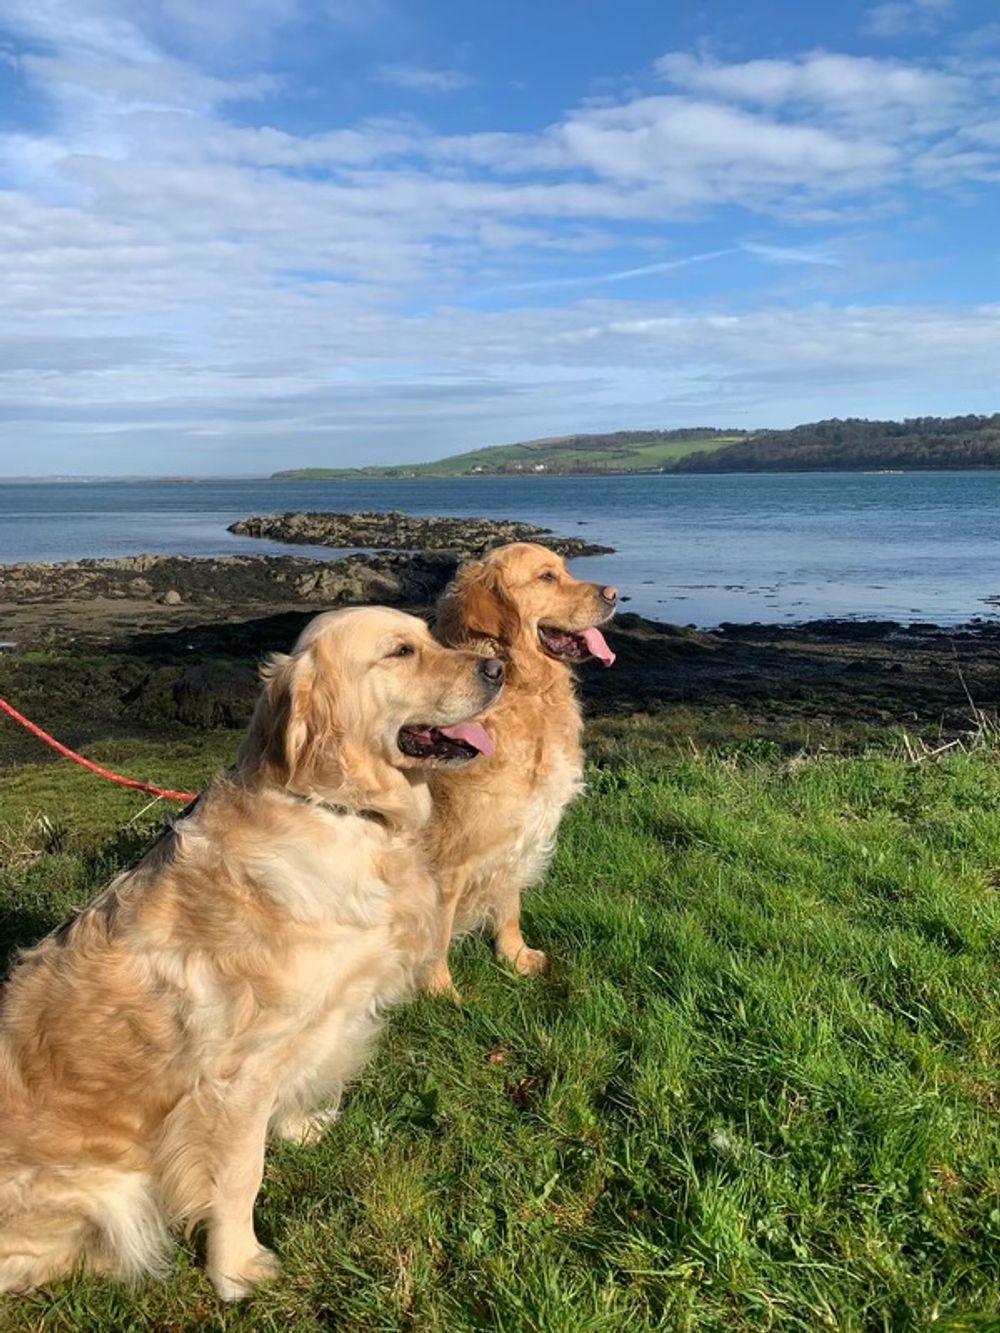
x=493 y=669
x=610 y=594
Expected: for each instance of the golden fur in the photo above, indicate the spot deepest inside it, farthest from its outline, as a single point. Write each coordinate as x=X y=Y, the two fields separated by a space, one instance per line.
x=492 y=834
x=230 y=983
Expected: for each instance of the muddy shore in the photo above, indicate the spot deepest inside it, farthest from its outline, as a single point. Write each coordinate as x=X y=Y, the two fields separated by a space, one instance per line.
x=99 y=648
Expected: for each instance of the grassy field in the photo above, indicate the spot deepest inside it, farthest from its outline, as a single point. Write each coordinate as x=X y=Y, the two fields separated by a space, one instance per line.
x=759 y=1088
x=562 y=456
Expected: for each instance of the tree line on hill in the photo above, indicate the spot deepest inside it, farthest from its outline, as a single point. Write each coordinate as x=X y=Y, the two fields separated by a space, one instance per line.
x=858 y=444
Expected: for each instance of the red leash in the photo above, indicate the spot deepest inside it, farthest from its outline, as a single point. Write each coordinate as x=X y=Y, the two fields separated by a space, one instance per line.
x=88 y=763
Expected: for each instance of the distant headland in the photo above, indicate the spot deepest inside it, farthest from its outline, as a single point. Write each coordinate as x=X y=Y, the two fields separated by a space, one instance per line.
x=849 y=445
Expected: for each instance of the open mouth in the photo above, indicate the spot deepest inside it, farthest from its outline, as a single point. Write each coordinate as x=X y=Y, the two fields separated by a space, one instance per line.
x=445 y=745
x=576 y=646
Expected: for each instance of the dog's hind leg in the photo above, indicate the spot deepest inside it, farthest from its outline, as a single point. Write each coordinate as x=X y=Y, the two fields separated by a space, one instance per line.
x=96 y=1218
x=40 y=1248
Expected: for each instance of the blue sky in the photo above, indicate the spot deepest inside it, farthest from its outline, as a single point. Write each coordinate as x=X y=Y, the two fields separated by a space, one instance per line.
x=246 y=234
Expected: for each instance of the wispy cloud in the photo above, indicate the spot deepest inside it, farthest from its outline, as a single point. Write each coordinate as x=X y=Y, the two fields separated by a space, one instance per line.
x=791 y=254
x=419 y=79
x=900 y=17
x=617 y=275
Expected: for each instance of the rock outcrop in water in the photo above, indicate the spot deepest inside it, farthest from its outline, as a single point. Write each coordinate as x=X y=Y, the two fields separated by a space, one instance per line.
x=462 y=537
x=260 y=580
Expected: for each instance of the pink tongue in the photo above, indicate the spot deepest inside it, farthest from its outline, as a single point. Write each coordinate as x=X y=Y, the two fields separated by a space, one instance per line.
x=597 y=646
x=473 y=734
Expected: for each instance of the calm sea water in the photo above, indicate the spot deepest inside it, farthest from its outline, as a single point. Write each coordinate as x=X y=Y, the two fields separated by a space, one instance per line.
x=688 y=549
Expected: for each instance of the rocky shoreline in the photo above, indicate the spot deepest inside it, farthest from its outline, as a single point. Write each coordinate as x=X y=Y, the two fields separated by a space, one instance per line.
x=154 y=644
x=91 y=669
x=176 y=580
x=392 y=530
x=104 y=602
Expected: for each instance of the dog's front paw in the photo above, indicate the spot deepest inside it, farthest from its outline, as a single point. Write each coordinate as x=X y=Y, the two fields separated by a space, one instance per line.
x=438 y=982
x=261 y=1266
x=529 y=962
x=307 y=1128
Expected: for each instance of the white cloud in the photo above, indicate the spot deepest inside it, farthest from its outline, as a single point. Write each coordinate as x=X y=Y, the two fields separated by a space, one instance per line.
x=101 y=28
x=857 y=94
x=699 y=151
x=418 y=79
x=816 y=361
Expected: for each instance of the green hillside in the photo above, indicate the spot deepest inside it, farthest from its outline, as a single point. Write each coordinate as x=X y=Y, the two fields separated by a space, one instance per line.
x=852 y=444
x=619 y=451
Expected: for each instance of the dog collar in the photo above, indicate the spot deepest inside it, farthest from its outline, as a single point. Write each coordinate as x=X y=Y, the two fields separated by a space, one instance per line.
x=332 y=808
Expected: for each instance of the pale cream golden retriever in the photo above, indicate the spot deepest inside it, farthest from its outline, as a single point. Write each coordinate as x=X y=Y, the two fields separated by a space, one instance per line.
x=230 y=983
x=491 y=835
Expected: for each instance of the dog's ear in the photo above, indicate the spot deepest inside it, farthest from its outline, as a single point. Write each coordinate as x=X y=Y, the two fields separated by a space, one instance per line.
x=474 y=605
x=295 y=729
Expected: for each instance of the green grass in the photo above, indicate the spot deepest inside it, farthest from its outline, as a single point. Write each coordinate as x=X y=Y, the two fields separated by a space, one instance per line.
x=759 y=1088
x=655 y=455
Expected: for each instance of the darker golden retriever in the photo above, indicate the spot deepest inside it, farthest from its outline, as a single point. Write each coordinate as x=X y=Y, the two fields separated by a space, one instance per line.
x=230 y=983
x=492 y=835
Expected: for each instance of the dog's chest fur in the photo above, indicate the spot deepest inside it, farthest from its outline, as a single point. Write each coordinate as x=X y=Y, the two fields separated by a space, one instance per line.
x=503 y=817
x=353 y=901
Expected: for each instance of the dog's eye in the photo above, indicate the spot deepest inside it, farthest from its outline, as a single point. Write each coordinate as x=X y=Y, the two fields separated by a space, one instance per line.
x=547 y=576
x=403 y=650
